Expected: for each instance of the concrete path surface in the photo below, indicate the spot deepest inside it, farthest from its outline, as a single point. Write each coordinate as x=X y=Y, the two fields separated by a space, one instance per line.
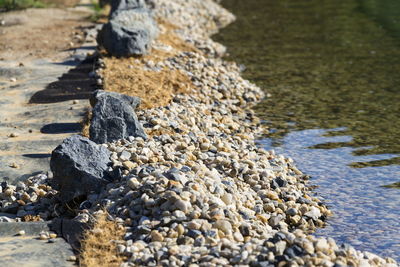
x=43 y=98
x=29 y=250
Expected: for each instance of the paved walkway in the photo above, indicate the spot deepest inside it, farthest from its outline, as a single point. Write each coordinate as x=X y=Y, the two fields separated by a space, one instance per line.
x=38 y=108
x=28 y=250
x=43 y=98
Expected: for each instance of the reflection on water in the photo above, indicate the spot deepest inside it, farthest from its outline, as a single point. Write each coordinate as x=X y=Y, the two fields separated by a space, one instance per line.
x=332 y=68
x=327 y=65
x=366 y=214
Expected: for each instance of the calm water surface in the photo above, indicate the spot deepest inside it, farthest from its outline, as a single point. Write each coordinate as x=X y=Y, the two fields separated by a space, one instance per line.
x=332 y=68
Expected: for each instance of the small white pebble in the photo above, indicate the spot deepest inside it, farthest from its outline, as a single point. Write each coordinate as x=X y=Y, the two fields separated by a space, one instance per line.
x=71 y=258
x=22 y=232
x=13 y=135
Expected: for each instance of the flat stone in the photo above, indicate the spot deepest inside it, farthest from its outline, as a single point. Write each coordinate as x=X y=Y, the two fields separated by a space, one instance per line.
x=30 y=251
x=30 y=228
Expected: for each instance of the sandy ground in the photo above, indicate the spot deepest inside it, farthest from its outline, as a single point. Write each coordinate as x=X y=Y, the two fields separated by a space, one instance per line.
x=40 y=33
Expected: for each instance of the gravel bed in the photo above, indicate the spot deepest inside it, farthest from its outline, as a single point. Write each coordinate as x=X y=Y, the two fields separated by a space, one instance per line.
x=202 y=193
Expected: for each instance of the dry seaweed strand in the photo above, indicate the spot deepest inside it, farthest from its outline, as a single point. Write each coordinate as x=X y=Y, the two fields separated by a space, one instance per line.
x=99 y=247
x=85 y=123
x=155 y=88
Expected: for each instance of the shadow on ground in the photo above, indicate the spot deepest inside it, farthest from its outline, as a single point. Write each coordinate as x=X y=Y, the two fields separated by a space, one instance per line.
x=75 y=84
x=59 y=128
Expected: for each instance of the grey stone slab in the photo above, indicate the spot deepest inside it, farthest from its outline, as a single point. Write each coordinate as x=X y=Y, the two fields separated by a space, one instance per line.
x=30 y=228
x=28 y=251
x=40 y=126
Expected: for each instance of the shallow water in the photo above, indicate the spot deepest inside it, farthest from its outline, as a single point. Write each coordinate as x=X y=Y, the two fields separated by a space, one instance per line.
x=332 y=68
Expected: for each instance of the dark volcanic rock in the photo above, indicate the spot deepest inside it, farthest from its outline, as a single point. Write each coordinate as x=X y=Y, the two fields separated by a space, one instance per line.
x=113 y=117
x=127 y=4
x=71 y=230
x=101 y=95
x=80 y=167
x=119 y=5
x=128 y=33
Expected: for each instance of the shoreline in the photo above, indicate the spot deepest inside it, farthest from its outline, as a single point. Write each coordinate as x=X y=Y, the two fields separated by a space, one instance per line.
x=198 y=191
x=220 y=48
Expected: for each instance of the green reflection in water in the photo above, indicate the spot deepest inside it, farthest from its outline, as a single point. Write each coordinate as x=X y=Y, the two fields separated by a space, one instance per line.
x=395 y=185
x=327 y=64
x=384 y=12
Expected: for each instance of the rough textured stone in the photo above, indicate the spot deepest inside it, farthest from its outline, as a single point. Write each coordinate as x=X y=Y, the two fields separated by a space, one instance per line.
x=70 y=230
x=101 y=95
x=128 y=4
x=80 y=167
x=119 y=5
x=113 y=117
x=129 y=32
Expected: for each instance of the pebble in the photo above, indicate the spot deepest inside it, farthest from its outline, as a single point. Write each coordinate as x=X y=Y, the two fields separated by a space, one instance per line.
x=183 y=205
x=13 y=135
x=14 y=165
x=129 y=165
x=21 y=233
x=71 y=258
x=156 y=236
x=53 y=235
x=43 y=237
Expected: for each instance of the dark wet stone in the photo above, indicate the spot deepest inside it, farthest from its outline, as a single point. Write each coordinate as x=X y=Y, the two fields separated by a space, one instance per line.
x=294 y=251
x=278 y=237
x=186 y=169
x=281 y=182
x=274 y=184
x=244 y=229
x=282 y=258
x=142 y=229
x=194 y=233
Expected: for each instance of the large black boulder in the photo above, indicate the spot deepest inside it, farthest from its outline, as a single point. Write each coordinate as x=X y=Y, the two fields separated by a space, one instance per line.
x=80 y=167
x=128 y=33
x=113 y=117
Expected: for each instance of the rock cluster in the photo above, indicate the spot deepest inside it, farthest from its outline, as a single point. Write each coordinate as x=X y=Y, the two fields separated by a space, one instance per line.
x=130 y=31
x=203 y=193
x=33 y=199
